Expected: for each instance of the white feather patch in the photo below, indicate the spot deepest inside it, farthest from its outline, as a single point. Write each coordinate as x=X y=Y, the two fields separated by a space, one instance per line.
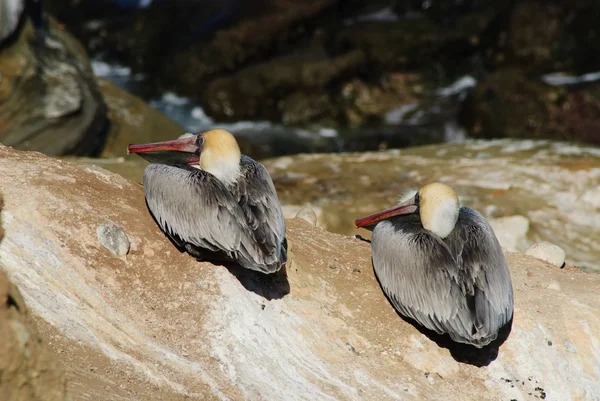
x=406 y=195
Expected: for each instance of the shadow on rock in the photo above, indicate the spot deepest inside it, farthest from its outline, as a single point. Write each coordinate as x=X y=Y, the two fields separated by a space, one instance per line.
x=466 y=353
x=269 y=286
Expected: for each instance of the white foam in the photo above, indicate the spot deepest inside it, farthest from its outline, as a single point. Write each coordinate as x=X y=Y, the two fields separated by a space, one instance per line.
x=396 y=116
x=172 y=98
x=560 y=78
x=199 y=114
x=458 y=86
x=328 y=132
x=103 y=69
x=386 y=14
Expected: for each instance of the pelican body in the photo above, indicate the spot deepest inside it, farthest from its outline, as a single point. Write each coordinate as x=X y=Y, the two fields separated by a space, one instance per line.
x=441 y=265
x=214 y=202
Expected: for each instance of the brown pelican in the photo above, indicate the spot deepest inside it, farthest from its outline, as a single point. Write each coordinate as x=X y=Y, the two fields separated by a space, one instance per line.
x=441 y=265
x=214 y=202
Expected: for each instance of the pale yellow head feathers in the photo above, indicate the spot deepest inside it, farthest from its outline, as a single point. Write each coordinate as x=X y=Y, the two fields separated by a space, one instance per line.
x=220 y=155
x=438 y=208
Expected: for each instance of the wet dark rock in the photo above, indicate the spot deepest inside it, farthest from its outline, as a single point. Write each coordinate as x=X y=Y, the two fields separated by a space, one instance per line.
x=554 y=36
x=410 y=43
x=302 y=107
x=580 y=114
x=49 y=101
x=255 y=92
x=508 y=104
x=272 y=28
x=185 y=43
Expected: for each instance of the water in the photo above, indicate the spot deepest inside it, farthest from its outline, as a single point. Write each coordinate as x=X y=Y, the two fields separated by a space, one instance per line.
x=431 y=120
x=561 y=79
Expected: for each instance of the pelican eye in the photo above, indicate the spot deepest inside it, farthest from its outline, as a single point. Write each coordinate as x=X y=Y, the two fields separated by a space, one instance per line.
x=417 y=198
x=200 y=140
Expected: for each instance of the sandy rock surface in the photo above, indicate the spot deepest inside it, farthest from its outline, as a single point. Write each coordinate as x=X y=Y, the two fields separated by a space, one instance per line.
x=157 y=325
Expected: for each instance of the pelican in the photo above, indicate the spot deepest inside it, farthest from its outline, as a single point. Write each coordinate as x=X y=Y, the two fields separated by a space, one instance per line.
x=441 y=265
x=214 y=202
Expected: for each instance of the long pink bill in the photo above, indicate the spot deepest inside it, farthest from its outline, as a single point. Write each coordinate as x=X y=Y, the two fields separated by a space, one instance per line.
x=403 y=208
x=179 y=151
x=187 y=145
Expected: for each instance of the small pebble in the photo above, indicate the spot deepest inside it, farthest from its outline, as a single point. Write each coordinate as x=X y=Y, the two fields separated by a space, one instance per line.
x=548 y=252
x=308 y=215
x=113 y=238
x=554 y=285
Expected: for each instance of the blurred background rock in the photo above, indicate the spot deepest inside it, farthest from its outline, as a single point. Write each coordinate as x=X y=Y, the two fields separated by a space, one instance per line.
x=291 y=76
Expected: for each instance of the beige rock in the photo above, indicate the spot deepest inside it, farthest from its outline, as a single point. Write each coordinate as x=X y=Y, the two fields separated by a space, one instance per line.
x=157 y=325
x=547 y=252
x=29 y=371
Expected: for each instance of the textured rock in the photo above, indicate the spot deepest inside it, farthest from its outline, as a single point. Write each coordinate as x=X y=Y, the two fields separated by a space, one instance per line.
x=547 y=252
x=256 y=91
x=28 y=370
x=158 y=325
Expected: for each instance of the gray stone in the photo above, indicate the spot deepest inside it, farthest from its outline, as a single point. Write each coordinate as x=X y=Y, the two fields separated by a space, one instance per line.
x=113 y=238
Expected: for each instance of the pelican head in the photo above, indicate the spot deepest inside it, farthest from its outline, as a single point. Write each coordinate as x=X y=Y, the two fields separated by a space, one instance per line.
x=220 y=155
x=215 y=151
x=436 y=203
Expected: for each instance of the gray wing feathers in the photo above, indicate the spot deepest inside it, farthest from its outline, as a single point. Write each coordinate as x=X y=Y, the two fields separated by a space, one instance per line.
x=447 y=286
x=194 y=207
x=492 y=284
x=197 y=218
x=258 y=198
